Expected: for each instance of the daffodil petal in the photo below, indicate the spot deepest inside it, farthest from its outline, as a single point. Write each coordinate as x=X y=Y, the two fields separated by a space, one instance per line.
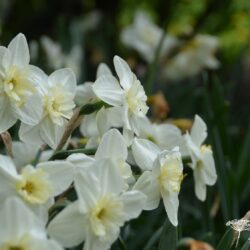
x=145 y=153
x=19 y=51
x=107 y=88
x=198 y=131
x=112 y=145
x=68 y=227
x=123 y=71
x=133 y=203
x=171 y=203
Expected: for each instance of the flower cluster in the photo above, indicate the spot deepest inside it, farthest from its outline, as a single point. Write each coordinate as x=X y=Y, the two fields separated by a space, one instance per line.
x=175 y=53
x=56 y=199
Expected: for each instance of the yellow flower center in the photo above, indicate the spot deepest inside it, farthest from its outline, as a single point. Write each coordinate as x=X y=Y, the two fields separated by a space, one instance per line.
x=191 y=46
x=107 y=211
x=148 y=35
x=22 y=243
x=171 y=174
x=17 y=85
x=151 y=138
x=203 y=149
x=34 y=186
x=58 y=104
x=136 y=98
x=15 y=248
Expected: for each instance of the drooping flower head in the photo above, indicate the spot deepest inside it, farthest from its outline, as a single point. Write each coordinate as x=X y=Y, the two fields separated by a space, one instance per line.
x=202 y=158
x=162 y=176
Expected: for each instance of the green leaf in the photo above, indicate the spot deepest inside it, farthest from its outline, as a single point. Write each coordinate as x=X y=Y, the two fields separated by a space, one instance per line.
x=226 y=240
x=243 y=162
x=63 y=154
x=169 y=237
x=90 y=108
x=246 y=246
x=121 y=243
x=151 y=242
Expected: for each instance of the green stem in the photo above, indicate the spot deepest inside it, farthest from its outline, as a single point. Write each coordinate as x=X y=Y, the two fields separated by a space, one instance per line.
x=186 y=160
x=219 y=157
x=121 y=243
x=152 y=241
x=169 y=236
x=37 y=158
x=153 y=66
x=63 y=154
x=91 y=108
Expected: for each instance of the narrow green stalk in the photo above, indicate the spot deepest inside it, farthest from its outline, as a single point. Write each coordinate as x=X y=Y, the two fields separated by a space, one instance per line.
x=219 y=157
x=155 y=237
x=169 y=237
x=121 y=243
x=91 y=108
x=222 y=175
x=38 y=156
x=243 y=169
x=153 y=66
x=76 y=119
x=186 y=160
x=63 y=154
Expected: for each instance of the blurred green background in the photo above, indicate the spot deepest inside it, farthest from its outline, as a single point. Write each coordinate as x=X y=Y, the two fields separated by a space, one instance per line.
x=221 y=97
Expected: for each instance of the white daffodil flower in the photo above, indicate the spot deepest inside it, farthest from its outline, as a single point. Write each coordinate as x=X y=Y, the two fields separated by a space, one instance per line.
x=101 y=210
x=20 y=97
x=95 y=125
x=57 y=59
x=85 y=93
x=128 y=95
x=144 y=36
x=166 y=136
x=22 y=230
x=91 y=21
x=58 y=103
x=198 y=54
x=202 y=158
x=112 y=146
x=36 y=186
x=162 y=176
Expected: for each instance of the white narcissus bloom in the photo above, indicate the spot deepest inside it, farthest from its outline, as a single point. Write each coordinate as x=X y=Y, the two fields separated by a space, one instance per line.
x=128 y=95
x=22 y=230
x=20 y=97
x=112 y=146
x=85 y=93
x=37 y=186
x=97 y=123
x=57 y=59
x=165 y=135
x=162 y=176
x=198 y=54
x=91 y=21
x=101 y=210
x=58 y=103
x=202 y=158
x=144 y=36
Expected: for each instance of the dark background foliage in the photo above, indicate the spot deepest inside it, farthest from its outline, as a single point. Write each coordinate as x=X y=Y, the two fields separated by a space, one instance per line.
x=222 y=98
